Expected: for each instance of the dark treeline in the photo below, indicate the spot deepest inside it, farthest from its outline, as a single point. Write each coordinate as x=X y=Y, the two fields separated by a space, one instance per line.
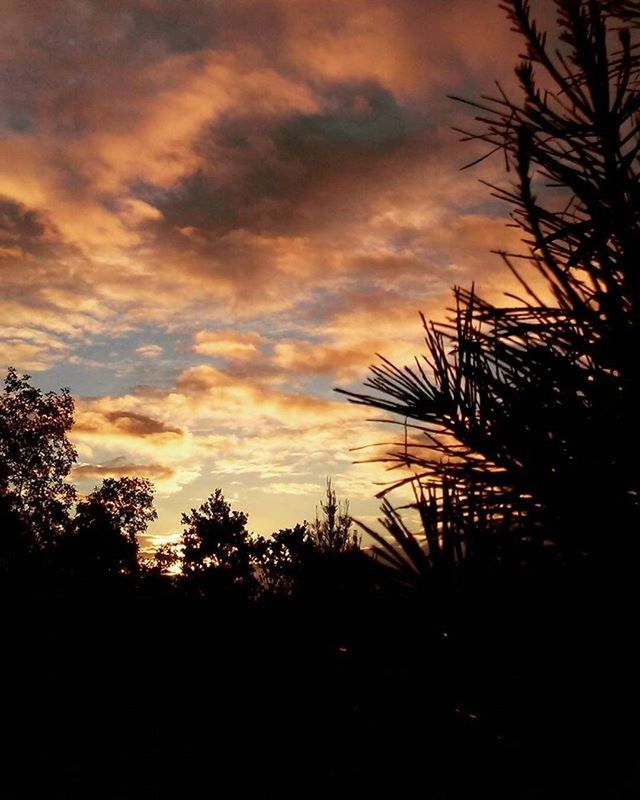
x=495 y=647
x=113 y=655
x=52 y=535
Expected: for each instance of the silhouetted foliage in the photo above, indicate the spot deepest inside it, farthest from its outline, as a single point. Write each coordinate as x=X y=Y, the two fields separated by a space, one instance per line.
x=104 y=535
x=526 y=415
x=347 y=685
x=165 y=559
x=35 y=455
x=332 y=529
x=281 y=558
x=16 y=538
x=129 y=503
x=217 y=548
x=218 y=556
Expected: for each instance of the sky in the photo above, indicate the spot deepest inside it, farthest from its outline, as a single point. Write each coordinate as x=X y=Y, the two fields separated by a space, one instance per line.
x=213 y=212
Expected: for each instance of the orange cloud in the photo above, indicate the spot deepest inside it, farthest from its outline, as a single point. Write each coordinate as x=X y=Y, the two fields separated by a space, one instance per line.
x=97 y=472
x=149 y=350
x=273 y=185
x=229 y=345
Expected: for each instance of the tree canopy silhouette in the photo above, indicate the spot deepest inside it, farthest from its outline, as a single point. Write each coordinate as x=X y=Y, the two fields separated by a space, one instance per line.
x=525 y=414
x=36 y=455
x=283 y=557
x=217 y=548
x=218 y=556
x=104 y=534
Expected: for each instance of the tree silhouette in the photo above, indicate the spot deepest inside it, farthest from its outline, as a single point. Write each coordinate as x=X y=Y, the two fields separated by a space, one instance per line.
x=217 y=549
x=16 y=539
x=333 y=571
x=217 y=555
x=283 y=557
x=526 y=415
x=105 y=530
x=165 y=559
x=35 y=455
x=129 y=503
x=332 y=530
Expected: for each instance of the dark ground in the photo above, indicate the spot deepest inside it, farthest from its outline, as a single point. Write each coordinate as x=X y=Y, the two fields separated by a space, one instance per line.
x=529 y=695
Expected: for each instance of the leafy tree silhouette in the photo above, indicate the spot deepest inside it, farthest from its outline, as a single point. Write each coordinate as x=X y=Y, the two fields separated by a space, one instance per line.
x=526 y=415
x=36 y=456
x=165 y=559
x=282 y=559
x=105 y=530
x=218 y=552
x=217 y=555
x=16 y=540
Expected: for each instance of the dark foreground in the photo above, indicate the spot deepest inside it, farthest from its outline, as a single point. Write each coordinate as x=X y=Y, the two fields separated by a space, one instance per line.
x=529 y=693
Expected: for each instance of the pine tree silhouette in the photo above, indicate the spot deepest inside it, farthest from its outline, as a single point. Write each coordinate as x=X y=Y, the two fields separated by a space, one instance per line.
x=524 y=424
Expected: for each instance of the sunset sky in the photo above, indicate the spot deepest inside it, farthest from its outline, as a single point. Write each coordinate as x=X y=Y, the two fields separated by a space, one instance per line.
x=214 y=211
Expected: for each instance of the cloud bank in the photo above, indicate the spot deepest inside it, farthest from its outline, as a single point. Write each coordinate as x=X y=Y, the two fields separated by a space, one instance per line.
x=211 y=213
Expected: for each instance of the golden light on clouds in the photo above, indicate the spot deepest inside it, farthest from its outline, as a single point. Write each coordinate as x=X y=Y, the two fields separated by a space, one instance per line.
x=212 y=213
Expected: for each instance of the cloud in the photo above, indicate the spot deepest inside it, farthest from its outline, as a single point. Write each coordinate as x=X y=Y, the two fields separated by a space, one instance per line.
x=220 y=163
x=416 y=48
x=303 y=357
x=237 y=204
x=111 y=422
x=149 y=350
x=47 y=306
x=221 y=425
x=113 y=437
x=97 y=472
x=228 y=344
x=304 y=489
x=29 y=348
